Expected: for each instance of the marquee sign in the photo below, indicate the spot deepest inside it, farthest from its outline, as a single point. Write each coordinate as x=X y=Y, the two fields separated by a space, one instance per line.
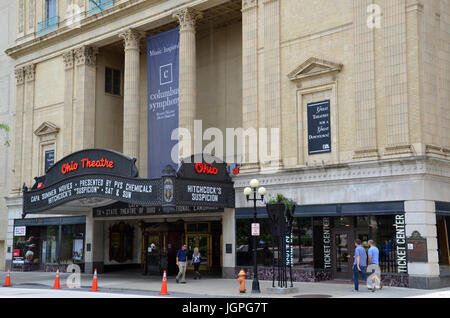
x=136 y=191
x=90 y=161
x=98 y=173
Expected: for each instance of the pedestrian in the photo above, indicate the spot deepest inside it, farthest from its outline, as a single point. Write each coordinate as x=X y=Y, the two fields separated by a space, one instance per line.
x=196 y=260
x=181 y=263
x=374 y=256
x=360 y=264
x=374 y=253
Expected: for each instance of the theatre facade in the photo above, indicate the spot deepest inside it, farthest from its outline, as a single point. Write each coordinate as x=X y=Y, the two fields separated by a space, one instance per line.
x=355 y=101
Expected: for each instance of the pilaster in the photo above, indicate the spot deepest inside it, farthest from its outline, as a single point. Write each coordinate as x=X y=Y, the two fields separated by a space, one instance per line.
x=396 y=79
x=365 y=106
x=420 y=216
x=27 y=177
x=250 y=82
x=18 y=128
x=272 y=87
x=68 y=58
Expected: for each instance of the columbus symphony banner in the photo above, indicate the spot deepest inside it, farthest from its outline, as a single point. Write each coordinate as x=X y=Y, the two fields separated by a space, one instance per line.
x=163 y=70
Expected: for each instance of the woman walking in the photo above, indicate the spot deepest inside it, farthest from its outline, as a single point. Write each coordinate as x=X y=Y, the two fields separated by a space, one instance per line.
x=196 y=259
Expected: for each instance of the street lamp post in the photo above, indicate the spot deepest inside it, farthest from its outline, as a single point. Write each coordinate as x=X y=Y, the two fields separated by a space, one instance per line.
x=254 y=184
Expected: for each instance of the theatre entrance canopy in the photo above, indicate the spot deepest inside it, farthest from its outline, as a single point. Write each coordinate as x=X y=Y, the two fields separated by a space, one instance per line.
x=110 y=181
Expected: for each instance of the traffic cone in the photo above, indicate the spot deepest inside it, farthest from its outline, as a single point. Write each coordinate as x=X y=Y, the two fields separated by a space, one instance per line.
x=8 y=279
x=164 y=285
x=94 y=282
x=56 y=285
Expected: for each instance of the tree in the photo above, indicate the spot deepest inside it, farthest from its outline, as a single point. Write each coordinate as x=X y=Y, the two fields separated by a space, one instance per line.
x=7 y=129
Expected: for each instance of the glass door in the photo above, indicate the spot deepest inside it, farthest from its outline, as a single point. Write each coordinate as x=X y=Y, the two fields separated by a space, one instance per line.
x=203 y=243
x=154 y=247
x=342 y=242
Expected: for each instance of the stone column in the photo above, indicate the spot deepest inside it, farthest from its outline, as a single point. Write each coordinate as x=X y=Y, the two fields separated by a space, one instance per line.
x=94 y=245
x=229 y=237
x=18 y=129
x=187 y=18
x=420 y=216
x=250 y=82
x=84 y=114
x=28 y=125
x=68 y=58
x=131 y=93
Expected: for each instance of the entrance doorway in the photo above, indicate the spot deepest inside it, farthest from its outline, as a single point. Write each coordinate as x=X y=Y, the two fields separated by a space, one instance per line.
x=161 y=242
x=206 y=236
x=343 y=248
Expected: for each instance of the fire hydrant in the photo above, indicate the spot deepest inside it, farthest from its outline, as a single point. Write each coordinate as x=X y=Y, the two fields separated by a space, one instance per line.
x=241 y=281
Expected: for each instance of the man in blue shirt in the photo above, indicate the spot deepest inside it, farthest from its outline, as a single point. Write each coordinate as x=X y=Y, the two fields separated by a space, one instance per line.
x=374 y=253
x=374 y=257
x=360 y=264
x=181 y=262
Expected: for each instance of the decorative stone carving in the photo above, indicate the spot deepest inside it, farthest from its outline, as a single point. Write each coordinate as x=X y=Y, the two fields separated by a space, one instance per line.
x=314 y=67
x=132 y=39
x=46 y=128
x=187 y=17
x=20 y=75
x=85 y=55
x=30 y=70
x=68 y=58
x=248 y=4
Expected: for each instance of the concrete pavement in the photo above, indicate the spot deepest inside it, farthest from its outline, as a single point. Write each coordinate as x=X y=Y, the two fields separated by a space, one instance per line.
x=134 y=283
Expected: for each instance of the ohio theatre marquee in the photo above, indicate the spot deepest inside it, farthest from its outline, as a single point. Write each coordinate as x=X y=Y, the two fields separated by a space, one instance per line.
x=100 y=173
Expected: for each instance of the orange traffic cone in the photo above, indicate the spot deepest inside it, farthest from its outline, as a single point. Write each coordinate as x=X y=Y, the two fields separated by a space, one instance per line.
x=94 y=282
x=164 y=285
x=8 y=279
x=56 y=285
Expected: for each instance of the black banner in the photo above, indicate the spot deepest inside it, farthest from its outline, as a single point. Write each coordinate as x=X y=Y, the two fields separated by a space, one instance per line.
x=120 y=209
x=135 y=191
x=49 y=159
x=199 y=193
x=319 y=132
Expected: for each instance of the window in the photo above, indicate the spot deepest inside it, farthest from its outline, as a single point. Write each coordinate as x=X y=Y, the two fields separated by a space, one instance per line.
x=382 y=232
x=112 y=81
x=51 y=21
x=72 y=243
x=302 y=230
x=96 y=6
x=302 y=243
x=50 y=9
x=244 y=243
x=443 y=237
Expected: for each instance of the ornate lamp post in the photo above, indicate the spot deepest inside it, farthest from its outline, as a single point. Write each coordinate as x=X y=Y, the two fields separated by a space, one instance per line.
x=254 y=184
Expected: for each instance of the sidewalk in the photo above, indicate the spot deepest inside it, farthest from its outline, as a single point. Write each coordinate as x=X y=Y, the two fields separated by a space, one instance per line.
x=134 y=283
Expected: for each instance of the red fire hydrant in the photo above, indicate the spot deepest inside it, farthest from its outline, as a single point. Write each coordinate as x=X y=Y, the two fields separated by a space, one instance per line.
x=241 y=281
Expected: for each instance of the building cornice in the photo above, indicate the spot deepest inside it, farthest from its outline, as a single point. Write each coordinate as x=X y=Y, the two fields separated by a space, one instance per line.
x=423 y=165
x=121 y=10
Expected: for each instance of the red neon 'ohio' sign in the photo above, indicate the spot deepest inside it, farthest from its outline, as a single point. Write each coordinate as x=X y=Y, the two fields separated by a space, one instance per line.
x=203 y=168
x=87 y=163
